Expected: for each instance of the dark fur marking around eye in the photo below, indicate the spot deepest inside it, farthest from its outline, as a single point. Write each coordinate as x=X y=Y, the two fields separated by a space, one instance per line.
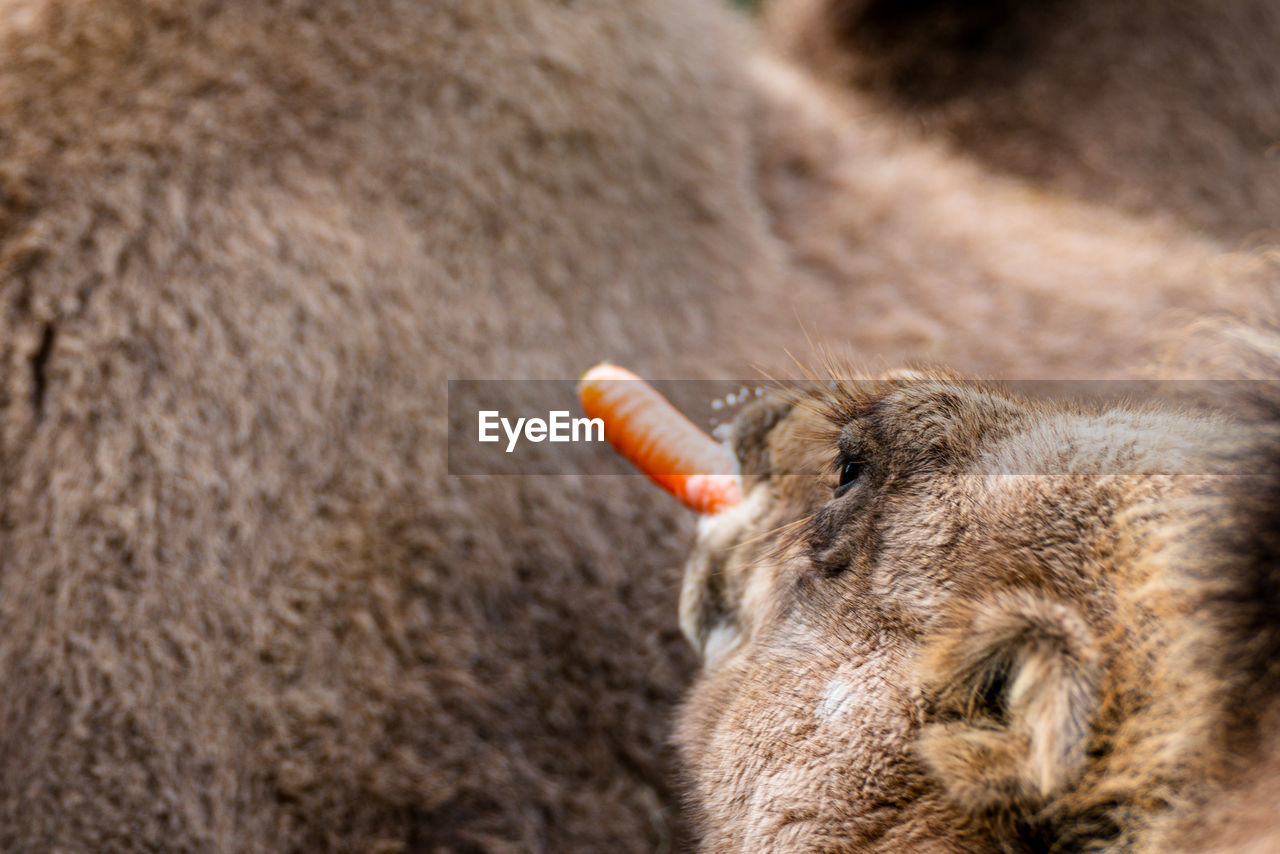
x=850 y=473
x=852 y=459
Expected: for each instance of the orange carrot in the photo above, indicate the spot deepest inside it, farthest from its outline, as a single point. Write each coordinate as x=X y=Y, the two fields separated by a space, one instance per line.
x=642 y=426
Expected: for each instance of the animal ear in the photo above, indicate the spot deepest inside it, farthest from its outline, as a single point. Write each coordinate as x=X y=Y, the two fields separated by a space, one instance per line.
x=1011 y=686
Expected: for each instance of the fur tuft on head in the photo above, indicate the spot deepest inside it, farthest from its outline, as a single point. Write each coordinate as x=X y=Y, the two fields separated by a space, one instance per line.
x=1012 y=685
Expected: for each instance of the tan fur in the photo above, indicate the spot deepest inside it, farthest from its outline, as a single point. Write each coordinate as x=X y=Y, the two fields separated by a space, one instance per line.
x=1031 y=747
x=1155 y=106
x=242 y=248
x=1024 y=625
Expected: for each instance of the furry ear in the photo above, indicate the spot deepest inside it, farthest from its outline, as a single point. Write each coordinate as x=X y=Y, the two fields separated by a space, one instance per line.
x=1012 y=686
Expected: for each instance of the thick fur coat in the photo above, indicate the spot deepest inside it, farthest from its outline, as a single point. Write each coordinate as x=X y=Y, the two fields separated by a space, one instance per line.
x=242 y=248
x=950 y=618
x=1158 y=107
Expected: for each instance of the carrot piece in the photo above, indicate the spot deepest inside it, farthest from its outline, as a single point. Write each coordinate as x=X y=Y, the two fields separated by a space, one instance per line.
x=660 y=441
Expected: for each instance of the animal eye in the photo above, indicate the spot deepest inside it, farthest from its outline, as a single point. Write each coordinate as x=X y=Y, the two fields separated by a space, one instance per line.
x=850 y=471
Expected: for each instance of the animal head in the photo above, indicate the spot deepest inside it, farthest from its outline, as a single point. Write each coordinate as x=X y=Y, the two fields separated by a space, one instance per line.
x=947 y=617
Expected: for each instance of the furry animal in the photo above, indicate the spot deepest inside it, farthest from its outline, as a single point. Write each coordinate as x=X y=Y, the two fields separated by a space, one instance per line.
x=1157 y=107
x=951 y=618
x=911 y=253
x=242 y=248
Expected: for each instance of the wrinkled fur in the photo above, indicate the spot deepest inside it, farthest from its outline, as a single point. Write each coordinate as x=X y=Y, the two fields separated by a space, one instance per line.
x=1026 y=625
x=1153 y=105
x=242 y=248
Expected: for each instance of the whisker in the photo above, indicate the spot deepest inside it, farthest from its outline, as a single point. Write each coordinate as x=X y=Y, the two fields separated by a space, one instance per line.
x=783 y=529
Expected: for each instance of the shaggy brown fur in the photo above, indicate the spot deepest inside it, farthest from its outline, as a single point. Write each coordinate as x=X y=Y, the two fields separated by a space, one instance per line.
x=996 y=624
x=913 y=253
x=242 y=247
x=1157 y=106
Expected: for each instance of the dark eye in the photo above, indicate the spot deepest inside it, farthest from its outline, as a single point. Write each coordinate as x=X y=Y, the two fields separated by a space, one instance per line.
x=850 y=471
